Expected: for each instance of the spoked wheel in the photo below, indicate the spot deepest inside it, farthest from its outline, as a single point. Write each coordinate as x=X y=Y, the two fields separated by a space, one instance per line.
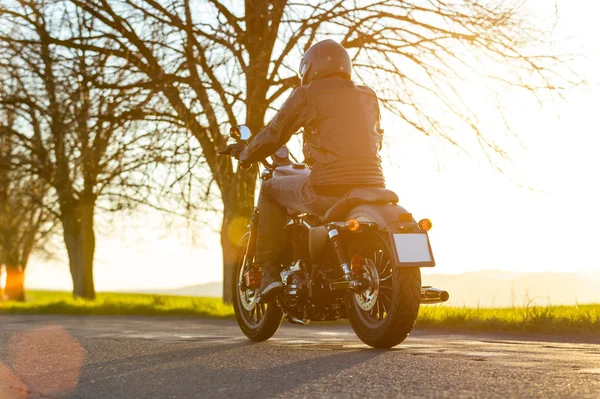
x=257 y=321
x=384 y=313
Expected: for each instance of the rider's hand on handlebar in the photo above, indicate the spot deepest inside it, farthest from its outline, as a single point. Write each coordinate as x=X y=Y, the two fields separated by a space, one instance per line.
x=245 y=165
x=234 y=150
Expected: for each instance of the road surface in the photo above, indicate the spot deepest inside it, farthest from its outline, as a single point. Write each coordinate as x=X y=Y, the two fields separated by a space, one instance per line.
x=119 y=357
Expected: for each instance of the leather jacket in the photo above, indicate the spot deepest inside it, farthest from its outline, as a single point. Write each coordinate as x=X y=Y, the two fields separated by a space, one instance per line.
x=342 y=137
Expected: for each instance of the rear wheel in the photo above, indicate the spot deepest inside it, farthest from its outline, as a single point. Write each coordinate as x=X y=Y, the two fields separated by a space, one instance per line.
x=383 y=314
x=257 y=321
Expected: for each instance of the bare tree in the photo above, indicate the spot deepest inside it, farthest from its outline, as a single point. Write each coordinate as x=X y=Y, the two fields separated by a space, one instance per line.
x=217 y=63
x=25 y=219
x=79 y=118
x=25 y=224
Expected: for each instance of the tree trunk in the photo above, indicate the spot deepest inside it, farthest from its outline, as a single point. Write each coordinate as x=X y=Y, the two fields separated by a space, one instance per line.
x=14 y=265
x=238 y=205
x=238 y=201
x=238 y=197
x=15 y=283
x=80 y=240
x=228 y=247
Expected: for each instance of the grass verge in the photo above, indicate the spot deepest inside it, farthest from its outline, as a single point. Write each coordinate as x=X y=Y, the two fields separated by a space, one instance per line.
x=118 y=304
x=577 y=319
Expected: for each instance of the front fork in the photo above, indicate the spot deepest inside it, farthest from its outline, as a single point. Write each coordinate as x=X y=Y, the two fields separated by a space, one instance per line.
x=252 y=276
x=253 y=226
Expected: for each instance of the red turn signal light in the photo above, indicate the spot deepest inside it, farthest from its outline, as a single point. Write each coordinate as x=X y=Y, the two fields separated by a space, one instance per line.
x=425 y=224
x=353 y=225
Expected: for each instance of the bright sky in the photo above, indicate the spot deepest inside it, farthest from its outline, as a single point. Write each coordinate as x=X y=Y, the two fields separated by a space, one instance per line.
x=482 y=220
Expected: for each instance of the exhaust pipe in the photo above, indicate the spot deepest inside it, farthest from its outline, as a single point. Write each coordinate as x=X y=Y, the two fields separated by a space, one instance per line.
x=431 y=295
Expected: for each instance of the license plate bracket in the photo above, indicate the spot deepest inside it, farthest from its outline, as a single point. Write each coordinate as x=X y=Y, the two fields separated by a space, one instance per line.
x=412 y=249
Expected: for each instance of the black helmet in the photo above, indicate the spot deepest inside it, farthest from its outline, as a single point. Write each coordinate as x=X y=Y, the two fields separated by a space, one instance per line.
x=325 y=58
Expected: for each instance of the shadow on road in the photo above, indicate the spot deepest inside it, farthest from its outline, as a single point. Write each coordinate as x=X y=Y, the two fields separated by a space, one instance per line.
x=306 y=371
x=238 y=369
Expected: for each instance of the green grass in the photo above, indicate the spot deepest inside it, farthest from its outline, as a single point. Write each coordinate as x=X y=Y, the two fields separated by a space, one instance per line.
x=110 y=304
x=576 y=319
x=580 y=319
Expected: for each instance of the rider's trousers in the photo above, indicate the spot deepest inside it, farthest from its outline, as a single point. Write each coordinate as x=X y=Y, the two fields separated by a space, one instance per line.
x=278 y=197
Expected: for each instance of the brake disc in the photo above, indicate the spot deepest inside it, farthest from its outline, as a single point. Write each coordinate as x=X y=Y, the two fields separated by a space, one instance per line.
x=367 y=298
x=248 y=298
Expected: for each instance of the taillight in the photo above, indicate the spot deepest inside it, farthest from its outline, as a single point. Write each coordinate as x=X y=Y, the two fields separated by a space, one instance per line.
x=405 y=217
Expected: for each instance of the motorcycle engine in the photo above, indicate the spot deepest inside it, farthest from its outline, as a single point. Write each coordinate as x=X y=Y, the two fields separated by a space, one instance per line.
x=295 y=294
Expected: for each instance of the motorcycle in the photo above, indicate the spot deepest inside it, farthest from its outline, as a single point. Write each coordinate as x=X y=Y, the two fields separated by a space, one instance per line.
x=360 y=261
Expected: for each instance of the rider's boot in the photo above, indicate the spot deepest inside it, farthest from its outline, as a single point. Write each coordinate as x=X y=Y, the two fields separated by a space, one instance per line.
x=271 y=283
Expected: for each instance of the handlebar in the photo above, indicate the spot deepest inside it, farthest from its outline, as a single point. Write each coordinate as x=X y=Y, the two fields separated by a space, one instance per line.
x=279 y=157
x=242 y=134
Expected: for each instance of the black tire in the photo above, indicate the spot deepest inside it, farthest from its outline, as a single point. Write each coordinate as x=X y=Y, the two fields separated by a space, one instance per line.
x=263 y=321
x=388 y=323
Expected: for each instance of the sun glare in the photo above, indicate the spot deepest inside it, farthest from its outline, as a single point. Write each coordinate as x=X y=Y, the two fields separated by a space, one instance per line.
x=484 y=219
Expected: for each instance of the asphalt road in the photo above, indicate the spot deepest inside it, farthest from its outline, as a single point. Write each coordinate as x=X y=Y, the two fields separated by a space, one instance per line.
x=113 y=357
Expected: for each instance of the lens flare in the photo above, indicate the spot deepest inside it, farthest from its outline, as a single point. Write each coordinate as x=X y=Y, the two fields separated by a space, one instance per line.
x=11 y=386
x=237 y=228
x=47 y=359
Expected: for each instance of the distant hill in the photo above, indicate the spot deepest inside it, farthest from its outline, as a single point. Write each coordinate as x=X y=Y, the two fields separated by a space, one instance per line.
x=214 y=289
x=484 y=288
x=501 y=289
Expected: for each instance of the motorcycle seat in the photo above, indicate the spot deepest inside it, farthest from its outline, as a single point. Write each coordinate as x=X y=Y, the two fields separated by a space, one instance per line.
x=358 y=196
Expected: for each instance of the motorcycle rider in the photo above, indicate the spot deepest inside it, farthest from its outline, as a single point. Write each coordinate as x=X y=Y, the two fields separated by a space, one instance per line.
x=342 y=139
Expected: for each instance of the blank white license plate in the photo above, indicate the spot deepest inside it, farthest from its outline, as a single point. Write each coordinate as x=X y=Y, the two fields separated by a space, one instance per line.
x=412 y=248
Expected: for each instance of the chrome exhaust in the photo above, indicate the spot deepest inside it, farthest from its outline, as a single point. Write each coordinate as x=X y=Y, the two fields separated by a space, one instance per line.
x=431 y=295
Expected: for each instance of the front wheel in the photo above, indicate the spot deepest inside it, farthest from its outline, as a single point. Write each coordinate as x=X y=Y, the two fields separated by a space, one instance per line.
x=257 y=321
x=384 y=314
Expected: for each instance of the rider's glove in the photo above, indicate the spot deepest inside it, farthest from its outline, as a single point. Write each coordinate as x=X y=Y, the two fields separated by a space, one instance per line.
x=234 y=150
x=245 y=164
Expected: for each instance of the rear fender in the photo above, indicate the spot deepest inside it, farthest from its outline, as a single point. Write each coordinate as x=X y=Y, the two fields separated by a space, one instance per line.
x=385 y=216
x=388 y=218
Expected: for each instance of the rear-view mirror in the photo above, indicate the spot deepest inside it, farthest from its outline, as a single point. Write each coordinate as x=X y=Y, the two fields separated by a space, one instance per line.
x=240 y=133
